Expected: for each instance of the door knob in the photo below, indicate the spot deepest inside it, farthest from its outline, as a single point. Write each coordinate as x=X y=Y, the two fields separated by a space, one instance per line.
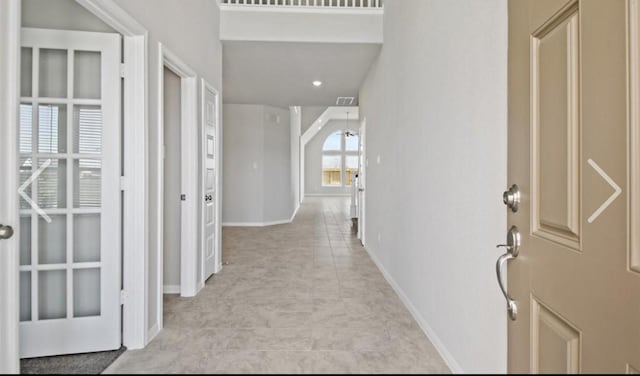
x=6 y=232
x=513 y=249
x=511 y=198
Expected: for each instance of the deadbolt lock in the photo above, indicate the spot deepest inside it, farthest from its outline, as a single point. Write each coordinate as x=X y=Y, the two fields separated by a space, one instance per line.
x=511 y=198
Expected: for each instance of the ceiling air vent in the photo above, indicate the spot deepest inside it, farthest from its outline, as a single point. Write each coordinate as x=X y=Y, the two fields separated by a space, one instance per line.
x=345 y=101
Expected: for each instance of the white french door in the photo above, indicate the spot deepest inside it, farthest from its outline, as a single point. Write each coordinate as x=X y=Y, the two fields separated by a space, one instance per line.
x=69 y=148
x=210 y=239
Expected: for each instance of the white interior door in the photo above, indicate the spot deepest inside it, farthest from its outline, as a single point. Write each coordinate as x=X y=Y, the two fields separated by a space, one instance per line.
x=9 y=80
x=69 y=161
x=211 y=255
x=362 y=181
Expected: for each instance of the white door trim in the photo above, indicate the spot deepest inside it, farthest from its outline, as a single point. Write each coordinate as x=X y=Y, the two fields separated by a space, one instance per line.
x=190 y=209
x=362 y=182
x=218 y=186
x=135 y=331
x=9 y=99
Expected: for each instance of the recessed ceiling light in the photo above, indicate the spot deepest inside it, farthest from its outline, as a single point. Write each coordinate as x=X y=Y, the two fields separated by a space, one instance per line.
x=317 y=83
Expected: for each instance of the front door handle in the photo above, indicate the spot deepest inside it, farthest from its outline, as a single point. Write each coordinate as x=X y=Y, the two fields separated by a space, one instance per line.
x=6 y=232
x=512 y=307
x=513 y=249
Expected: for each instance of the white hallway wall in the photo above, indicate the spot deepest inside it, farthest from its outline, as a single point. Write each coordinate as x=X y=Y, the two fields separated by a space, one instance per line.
x=435 y=104
x=257 y=165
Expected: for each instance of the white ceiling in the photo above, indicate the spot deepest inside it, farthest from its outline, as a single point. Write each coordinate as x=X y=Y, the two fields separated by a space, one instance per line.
x=281 y=73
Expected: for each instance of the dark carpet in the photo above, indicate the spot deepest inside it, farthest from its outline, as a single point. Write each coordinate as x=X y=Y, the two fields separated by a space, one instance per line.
x=87 y=364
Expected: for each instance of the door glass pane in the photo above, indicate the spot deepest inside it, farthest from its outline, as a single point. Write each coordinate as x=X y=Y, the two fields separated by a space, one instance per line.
x=25 y=239
x=331 y=170
x=87 y=129
x=53 y=73
x=87 y=183
x=52 y=294
x=26 y=128
x=52 y=128
x=25 y=296
x=26 y=72
x=26 y=170
x=351 y=143
x=86 y=75
x=52 y=185
x=333 y=142
x=52 y=240
x=86 y=238
x=86 y=292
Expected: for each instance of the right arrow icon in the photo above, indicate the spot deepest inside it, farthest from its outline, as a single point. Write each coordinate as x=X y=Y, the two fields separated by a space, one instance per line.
x=612 y=198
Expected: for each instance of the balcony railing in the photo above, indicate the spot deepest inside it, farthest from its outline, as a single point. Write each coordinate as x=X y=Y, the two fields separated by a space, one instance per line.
x=335 y=4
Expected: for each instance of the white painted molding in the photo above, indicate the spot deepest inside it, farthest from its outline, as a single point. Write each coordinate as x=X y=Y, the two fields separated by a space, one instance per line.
x=263 y=224
x=113 y=15
x=424 y=325
x=302 y=9
x=9 y=249
x=256 y=224
x=171 y=289
x=295 y=212
x=154 y=331
x=136 y=202
x=301 y=24
x=328 y=195
x=331 y=113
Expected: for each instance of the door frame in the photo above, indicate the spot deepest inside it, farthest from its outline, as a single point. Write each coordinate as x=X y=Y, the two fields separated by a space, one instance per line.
x=204 y=86
x=10 y=16
x=134 y=183
x=362 y=183
x=189 y=175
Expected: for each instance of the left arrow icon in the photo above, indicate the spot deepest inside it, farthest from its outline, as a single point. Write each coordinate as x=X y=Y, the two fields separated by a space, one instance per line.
x=28 y=182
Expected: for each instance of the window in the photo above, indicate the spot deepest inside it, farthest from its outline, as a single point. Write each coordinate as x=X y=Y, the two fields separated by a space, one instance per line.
x=340 y=159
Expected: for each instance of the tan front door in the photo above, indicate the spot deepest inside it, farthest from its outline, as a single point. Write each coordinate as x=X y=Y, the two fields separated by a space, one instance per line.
x=576 y=280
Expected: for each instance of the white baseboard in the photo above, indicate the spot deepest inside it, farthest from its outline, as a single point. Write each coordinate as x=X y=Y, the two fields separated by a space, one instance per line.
x=256 y=224
x=153 y=332
x=426 y=328
x=262 y=224
x=327 y=195
x=295 y=212
x=171 y=289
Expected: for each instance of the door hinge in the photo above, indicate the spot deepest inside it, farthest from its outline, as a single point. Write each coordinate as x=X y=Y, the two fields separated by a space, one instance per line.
x=123 y=183
x=183 y=197
x=122 y=70
x=123 y=297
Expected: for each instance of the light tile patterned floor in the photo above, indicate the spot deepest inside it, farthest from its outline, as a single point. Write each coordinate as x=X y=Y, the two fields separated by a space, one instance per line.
x=297 y=298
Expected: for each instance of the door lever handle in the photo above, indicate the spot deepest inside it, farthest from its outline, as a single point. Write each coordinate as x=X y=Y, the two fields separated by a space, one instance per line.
x=513 y=249
x=512 y=307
